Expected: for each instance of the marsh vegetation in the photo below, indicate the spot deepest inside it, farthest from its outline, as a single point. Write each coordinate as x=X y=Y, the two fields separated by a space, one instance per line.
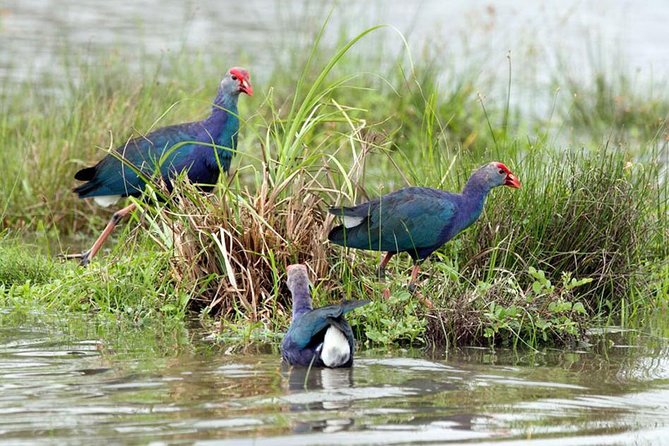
x=582 y=244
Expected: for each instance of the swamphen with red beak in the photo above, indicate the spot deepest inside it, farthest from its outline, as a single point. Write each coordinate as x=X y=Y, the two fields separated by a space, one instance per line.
x=200 y=148
x=417 y=220
x=318 y=337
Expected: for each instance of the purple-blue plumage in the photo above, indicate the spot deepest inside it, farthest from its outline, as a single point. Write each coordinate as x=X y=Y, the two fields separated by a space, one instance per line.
x=199 y=149
x=417 y=220
x=318 y=337
x=202 y=149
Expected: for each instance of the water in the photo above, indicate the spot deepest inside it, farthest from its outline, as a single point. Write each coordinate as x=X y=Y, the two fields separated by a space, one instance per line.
x=543 y=37
x=59 y=388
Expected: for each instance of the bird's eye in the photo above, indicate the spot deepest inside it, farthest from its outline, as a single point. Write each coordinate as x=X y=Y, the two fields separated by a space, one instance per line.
x=501 y=172
x=234 y=78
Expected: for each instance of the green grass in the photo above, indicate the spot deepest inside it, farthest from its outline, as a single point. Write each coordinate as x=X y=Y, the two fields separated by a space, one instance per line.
x=618 y=109
x=19 y=265
x=134 y=287
x=337 y=126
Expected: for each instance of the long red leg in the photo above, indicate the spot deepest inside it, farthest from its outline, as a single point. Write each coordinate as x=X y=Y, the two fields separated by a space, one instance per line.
x=412 y=286
x=381 y=271
x=118 y=216
x=414 y=275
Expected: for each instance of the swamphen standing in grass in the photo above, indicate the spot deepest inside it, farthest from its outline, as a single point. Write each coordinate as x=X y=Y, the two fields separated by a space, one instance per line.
x=417 y=220
x=320 y=337
x=201 y=149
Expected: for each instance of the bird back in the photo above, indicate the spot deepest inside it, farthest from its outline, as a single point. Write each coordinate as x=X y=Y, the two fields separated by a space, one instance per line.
x=309 y=324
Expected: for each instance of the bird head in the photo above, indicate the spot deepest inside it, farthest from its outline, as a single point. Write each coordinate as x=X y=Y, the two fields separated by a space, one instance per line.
x=298 y=279
x=237 y=80
x=497 y=174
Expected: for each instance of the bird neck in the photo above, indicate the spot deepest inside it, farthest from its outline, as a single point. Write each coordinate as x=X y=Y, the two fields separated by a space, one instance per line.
x=476 y=188
x=474 y=194
x=301 y=302
x=222 y=125
x=225 y=105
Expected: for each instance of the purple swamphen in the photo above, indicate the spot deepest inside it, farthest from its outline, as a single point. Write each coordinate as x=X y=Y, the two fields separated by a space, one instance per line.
x=320 y=337
x=417 y=220
x=200 y=149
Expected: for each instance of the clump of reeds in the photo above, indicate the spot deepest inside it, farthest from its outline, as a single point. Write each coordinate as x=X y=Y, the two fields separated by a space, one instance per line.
x=231 y=248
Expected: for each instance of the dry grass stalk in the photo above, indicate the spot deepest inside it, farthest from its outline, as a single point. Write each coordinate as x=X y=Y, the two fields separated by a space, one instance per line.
x=232 y=247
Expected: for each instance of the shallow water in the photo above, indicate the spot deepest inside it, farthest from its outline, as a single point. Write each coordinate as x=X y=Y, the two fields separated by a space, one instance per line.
x=59 y=389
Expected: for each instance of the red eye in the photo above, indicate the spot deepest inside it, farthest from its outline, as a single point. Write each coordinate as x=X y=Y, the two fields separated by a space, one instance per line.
x=234 y=78
x=501 y=172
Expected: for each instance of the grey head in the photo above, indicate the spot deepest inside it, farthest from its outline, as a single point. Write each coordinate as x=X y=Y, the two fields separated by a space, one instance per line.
x=492 y=175
x=237 y=80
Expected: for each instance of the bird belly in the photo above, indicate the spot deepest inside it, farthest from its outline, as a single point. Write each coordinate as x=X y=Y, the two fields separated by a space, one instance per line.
x=203 y=174
x=336 y=350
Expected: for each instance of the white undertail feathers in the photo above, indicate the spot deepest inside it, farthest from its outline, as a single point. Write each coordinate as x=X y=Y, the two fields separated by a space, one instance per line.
x=106 y=200
x=351 y=222
x=336 y=350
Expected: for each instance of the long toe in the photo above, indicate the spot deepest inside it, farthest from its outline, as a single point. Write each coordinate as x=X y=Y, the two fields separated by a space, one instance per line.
x=427 y=302
x=85 y=259
x=78 y=255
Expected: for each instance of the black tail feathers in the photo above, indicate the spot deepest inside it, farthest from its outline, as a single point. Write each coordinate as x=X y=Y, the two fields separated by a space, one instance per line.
x=86 y=174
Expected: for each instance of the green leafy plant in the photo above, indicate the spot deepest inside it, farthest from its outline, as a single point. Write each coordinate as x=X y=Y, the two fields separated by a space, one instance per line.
x=398 y=320
x=539 y=314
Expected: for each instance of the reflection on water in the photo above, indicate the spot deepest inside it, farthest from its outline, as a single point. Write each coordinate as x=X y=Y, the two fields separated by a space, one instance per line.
x=60 y=389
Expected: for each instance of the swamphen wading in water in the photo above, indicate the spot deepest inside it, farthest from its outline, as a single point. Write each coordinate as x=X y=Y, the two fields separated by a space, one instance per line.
x=417 y=220
x=168 y=151
x=318 y=337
